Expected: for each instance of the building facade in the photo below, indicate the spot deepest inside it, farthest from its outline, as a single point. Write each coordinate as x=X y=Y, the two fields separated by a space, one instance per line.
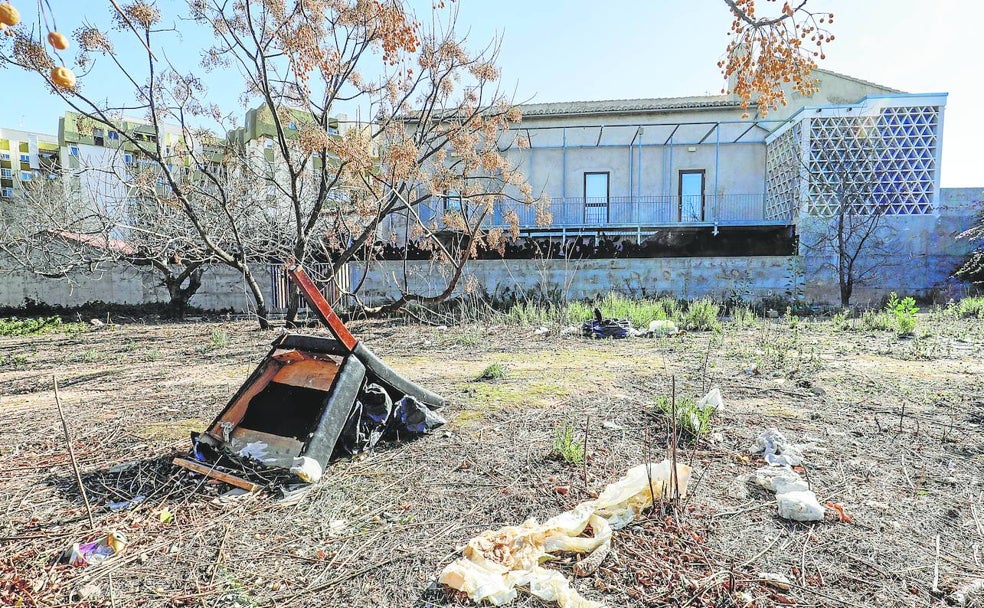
x=26 y=155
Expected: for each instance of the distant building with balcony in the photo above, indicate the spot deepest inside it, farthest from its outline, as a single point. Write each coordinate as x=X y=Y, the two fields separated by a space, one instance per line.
x=696 y=178
x=25 y=155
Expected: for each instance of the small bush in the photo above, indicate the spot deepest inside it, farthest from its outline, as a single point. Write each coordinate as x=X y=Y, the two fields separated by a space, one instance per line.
x=15 y=360
x=218 y=338
x=742 y=316
x=692 y=419
x=840 y=322
x=495 y=371
x=702 y=315
x=33 y=327
x=903 y=312
x=970 y=308
x=566 y=446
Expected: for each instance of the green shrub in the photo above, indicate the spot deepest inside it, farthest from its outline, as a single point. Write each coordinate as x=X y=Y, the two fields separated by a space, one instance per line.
x=840 y=322
x=702 y=315
x=972 y=308
x=495 y=371
x=692 y=419
x=219 y=338
x=566 y=446
x=903 y=312
x=32 y=327
x=742 y=316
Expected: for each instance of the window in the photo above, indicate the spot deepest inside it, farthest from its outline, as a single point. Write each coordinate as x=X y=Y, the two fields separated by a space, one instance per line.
x=6 y=173
x=25 y=158
x=268 y=144
x=26 y=176
x=114 y=135
x=8 y=192
x=292 y=126
x=4 y=156
x=596 y=191
x=73 y=150
x=451 y=202
x=128 y=159
x=691 y=206
x=98 y=137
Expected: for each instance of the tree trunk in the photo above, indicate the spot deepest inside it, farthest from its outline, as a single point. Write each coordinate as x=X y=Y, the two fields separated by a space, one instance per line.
x=262 y=313
x=180 y=296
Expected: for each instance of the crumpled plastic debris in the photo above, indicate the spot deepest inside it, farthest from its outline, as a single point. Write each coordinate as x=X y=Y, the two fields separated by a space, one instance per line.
x=801 y=505
x=712 y=399
x=780 y=480
x=375 y=417
x=777 y=451
x=255 y=450
x=120 y=505
x=495 y=562
x=663 y=327
x=307 y=469
x=96 y=552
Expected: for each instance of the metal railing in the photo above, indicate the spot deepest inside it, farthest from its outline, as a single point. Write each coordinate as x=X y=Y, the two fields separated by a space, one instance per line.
x=724 y=209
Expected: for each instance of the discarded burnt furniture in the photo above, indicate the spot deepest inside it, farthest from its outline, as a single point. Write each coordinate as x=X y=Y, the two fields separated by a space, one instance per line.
x=307 y=390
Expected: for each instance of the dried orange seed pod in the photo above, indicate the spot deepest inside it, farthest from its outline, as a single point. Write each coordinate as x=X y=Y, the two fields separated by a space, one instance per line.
x=9 y=14
x=63 y=77
x=58 y=40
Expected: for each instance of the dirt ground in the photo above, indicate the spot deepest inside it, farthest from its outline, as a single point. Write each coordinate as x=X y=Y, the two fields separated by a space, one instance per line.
x=893 y=429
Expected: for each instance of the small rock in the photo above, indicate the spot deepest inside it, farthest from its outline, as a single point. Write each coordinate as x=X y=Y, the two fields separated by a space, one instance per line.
x=562 y=490
x=541 y=331
x=96 y=323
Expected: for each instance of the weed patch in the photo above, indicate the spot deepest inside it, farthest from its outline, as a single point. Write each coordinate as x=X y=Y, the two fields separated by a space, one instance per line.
x=566 y=446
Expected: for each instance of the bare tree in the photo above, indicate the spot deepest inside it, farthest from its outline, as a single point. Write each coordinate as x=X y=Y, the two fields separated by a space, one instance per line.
x=89 y=221
x=847 y=207
x=307 y=184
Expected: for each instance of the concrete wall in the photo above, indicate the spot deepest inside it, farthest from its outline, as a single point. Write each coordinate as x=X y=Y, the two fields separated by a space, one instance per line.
x=222 y=288
x=679 y=277
x=909 y=254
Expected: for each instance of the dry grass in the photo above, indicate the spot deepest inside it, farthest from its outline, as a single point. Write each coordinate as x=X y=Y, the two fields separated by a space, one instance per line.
x=379 y=528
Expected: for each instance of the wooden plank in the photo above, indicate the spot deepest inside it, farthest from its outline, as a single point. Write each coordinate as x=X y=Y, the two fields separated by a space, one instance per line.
x=310 y=373
x=212 y=473
x=315 y=300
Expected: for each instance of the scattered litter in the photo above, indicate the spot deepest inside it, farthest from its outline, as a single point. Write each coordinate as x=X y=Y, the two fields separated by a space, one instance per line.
x=90 y=591
x=307 y=469
x=780 y=480
x=231 y=497
x=663 y=327
x=255 y=450
x=777 y=451
x=600 y=328
x=611 y=425
x=166 y=516
x=800 y=505
x=793 y=495
x=96 y=552
x=841 y=513
x=495 y=562
x=772 y=314
x=294 y=493
x=96 y=323
x=122 y=505
x=542 y=331
x=712 y=399
x=753 y=371
x=772 y=579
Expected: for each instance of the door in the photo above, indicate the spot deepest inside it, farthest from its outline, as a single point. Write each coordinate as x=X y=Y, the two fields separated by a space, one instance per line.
x=692 y=195
x=596 y=198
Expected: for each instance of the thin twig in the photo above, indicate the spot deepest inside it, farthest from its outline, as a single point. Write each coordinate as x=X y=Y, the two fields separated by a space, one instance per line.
x=71 y=454
x=587 y=422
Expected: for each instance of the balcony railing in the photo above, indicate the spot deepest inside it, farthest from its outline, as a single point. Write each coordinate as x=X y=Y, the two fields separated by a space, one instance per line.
x=575 y=212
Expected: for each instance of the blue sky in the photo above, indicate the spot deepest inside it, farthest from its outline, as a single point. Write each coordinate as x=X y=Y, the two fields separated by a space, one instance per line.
x=555 y=50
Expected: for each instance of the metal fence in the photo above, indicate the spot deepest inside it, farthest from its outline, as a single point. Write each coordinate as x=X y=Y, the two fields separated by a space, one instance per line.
x=331 y=288
x=733 y=209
